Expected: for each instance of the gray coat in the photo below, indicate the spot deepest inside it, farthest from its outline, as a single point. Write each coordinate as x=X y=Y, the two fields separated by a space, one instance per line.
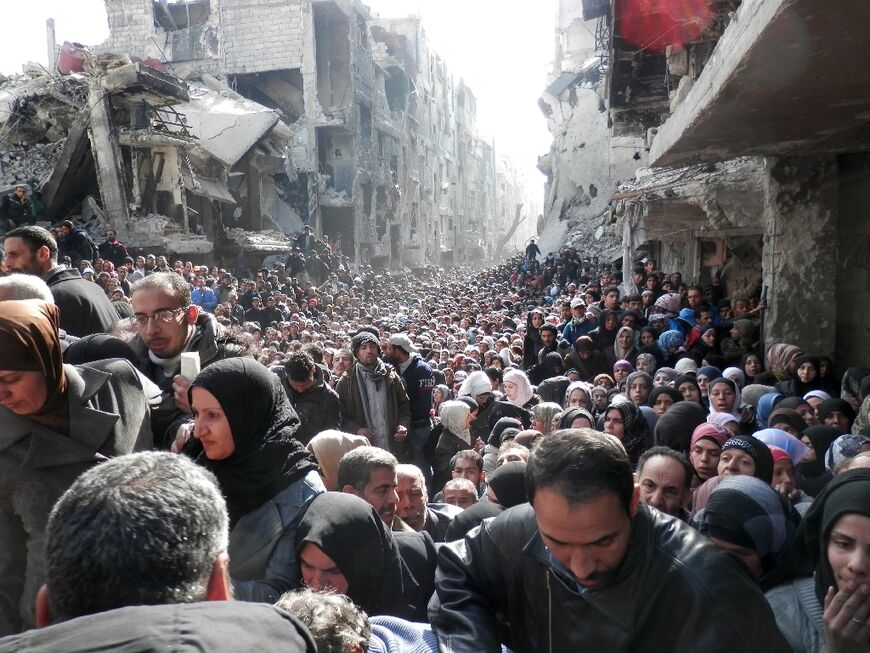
x=109 y=416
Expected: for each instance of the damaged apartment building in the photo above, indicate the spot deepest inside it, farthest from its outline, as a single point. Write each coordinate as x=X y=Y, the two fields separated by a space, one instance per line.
x=216 y=129
x=754 y=163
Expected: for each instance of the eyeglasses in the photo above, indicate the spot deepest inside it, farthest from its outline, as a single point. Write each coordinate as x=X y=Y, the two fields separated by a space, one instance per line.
x=166 y=316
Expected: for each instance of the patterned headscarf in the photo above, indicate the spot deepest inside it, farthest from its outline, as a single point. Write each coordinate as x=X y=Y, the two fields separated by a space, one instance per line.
x=670 y=341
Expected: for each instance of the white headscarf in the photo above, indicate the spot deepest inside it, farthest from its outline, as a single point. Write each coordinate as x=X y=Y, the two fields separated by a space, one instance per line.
x=453 y=416
x=524 y=388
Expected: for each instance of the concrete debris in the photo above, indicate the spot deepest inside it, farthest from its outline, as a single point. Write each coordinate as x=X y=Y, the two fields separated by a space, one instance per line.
x=261 y=241
x=29 y=164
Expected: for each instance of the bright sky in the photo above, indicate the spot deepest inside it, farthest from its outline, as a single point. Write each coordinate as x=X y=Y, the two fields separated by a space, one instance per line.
x=502 y=48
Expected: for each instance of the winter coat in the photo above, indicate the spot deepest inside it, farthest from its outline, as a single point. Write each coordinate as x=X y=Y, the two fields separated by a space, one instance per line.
x=115 y=252
x=263 y=563
x=84 y=307
x=108 y=416
x=318 y=409
x=674 y=592
x=353 y=414
x=419 y=382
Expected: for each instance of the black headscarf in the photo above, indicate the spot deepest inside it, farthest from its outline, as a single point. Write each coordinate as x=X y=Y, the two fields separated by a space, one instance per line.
x=495 y=436
x=97 y=347
x=508 y=483
x=349 y=531
x=674 y=429
x=847 y=493
x=830 y=405
x=571 y=414
x=683 y=378
x=267 y=458
x=553 y=389
x=821 y=437
x=759 y=452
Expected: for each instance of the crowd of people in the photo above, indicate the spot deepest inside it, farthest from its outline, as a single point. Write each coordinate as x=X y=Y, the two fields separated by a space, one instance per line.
x=538 y=456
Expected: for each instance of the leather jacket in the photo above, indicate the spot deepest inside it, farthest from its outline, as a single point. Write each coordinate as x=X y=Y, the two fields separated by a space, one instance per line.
x=674 y=592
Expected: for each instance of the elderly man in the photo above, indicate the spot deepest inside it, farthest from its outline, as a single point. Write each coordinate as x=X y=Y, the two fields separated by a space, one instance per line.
x=84 y=307
x=414 y=508
x=136 y=560
x=587 y=565
x=664 y=477
x=460 y=492
x=372 y=398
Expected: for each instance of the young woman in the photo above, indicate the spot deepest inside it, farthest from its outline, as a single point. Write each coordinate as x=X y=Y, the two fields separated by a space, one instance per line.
x=829 y=611
x=245 y=424
x=626 y=422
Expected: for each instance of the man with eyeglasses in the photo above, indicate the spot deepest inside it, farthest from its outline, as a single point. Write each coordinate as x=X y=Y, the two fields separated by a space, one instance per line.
x=168 y=323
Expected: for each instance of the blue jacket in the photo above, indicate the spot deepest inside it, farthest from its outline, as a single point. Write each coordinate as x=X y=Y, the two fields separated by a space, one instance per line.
x=262 y=547
x=419 y=381
x=574 y=330
x=204 y=298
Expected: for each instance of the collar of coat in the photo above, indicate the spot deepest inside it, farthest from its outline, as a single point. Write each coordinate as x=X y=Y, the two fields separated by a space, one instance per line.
x=89 y=428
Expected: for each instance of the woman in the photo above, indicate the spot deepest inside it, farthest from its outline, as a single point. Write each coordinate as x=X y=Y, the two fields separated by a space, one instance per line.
x=662 y=398
x=623 y=347
x=328 y=447
x=542 y=416
x=780 y=360
x=626 y=423
x=455 y=437
x=837 y=413
x=56 y=421
x=744 y=454
x=815 y=613
x=689 y=388
x=806 y=377
x=342 y=544
x=705 y=345
x=705 y=448
x=802 y=407
x=724 y=397
x=245 y=424
x=812 y=474
x=736 y=375
x=532 y=340
x=638 y=386
x=507 y=485
x=705 y=375
x=576 y=418
x=674 y=428
x=440 y=394
x=767 y=403
x=750 y=519
x=646 y=363
x=578 y=396
x=843 y=448
x=604 y=335
x=786 y=419
x=621 y=370
x=668 y=345
x=752 y=367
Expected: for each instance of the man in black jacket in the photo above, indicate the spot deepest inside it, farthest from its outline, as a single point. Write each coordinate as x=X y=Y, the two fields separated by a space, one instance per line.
x=315 y=402
x=588 y=566
x=84 y=307
x=113 y=249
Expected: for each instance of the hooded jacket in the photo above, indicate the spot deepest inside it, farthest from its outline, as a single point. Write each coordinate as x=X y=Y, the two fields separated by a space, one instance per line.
x=674 y=592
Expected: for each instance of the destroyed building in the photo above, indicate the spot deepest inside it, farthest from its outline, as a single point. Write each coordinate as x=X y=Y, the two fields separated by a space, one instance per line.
x=216 y=128
x=756 y=162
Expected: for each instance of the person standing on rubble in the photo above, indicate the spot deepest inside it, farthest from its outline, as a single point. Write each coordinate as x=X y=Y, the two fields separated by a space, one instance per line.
x=113 y=249
x=76 y=243
x=16 y=209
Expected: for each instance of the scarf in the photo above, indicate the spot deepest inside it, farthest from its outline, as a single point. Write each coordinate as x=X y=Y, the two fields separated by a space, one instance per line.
x=372 y=389
x=349 y=531
x=757 y=450
x=453 y=416
x=779 y=358
x=267 y=458
x=674 y=429
x=29 y=342
x=747 y=512
x=636 y=434
x=847 y=493
x=508 y=483
x=524 y=388
x=792 y=446
x=735 y=405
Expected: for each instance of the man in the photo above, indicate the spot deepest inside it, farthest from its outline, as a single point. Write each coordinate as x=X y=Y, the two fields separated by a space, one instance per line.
x=136 y=560
x=76 y=243
x=370 y=474
x=315 y=402
x=695 y=300
x=84 y=307
x=610 y=298
x=532 y=250
x=664 y=477
x=578 y=325
x=16 y=210
x=419 y=381
x=413 y=506
x=468 y=464
x=255 y=313
x=203 y=296
x=587 y=565
x=549 y=335
x=372 y=398
x=112 y=249
x=460 y=492
x=168 y=323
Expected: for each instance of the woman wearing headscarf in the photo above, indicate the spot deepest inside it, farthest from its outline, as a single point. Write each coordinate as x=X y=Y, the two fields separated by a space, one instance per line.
x=553 y=389
x=837 y=413
x=705 y=345
x=706 y=374
x=744 y=454
x=551 y=366
x=604 y=335
x=506 y=486
x=56 y=421
x=455 y=437
x=802 y=407
x=853 y=387
x=328 y=447
x=578 y=394
x=646 y=363
x=862 y=419
x=812 y=474
x=674 y=428
x=724 y=397
x=245 y=424
x=780 y=360
x=736 y=375
x=844 y=447
x=787 y=420
x=543 y=415
x=815 y=613
x=662 y=398
x=805 y=379
x=753 y=368
x=624 y=347
x=532 y=340
x=440 y=394
x=576 y=418
x=750 y=519
x=342 y=544
x=668 y=346
x=767 y=403
x=688 y=386
x=705 y=448
x=498 y=434
x=638 y=386
x=664 y=376
x=627 y=423
x=725 y=419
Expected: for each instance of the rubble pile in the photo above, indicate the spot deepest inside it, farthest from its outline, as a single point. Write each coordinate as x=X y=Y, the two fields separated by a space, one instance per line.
x=29 y=164
x=261 y=241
